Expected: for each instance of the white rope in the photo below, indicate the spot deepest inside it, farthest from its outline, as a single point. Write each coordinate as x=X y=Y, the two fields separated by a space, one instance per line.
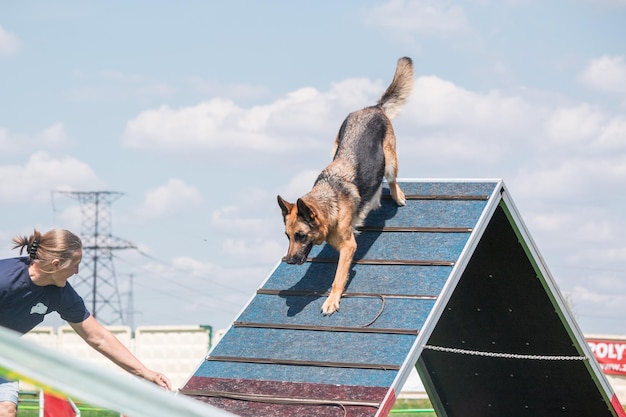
x=506 y=355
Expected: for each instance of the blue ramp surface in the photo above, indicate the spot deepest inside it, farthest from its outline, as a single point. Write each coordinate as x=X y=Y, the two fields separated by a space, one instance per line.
x=451 y=284
x=283 y=357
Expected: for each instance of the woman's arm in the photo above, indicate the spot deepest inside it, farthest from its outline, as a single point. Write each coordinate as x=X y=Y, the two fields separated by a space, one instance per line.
x=101 y=339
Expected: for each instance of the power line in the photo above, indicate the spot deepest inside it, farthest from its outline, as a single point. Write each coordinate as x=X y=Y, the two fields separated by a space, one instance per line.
x=174 y=268
x=198 y=296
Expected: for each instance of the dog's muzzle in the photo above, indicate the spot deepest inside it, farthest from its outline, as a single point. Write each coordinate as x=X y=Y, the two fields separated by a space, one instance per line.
x=301 y=257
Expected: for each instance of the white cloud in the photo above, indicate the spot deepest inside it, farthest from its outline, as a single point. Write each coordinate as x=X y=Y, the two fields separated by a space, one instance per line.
x=446 y=130
x=261 y=250
x=607 y=74
x=573 y=177
x=70 y=217
x=426 y=17
x=53 y=136
x=293 y=122
x=585 y=126
x=438 y=102
x=237 y=220
x=547 y=147
x=43 y=173
x=615 y=255
x=611 y=135
x=191 y=128
x=9 y=43
x=299 y=184
x=200 y=279
x=255 y=213
x=611 y=303
x=252 y=229
x=172 y=197
x=569 y=125
x=193 y=266
x=586 y=234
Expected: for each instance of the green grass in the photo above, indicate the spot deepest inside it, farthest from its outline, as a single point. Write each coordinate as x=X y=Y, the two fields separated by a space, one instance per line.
x=402 y=408
x=22 y=412
x=29 y=407
x=412 y=408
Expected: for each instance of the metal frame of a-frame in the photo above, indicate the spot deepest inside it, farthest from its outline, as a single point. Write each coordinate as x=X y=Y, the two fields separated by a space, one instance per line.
x=451 y=284
x=510 y=343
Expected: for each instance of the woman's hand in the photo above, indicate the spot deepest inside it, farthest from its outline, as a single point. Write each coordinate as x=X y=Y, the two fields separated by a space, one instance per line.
x=159 y=379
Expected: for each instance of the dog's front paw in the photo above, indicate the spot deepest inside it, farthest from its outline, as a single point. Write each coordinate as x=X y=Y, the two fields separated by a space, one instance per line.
x=398 y=196
x=331 y=305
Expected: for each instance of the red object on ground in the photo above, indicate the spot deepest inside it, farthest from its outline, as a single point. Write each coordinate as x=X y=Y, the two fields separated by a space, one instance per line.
x=54 y=406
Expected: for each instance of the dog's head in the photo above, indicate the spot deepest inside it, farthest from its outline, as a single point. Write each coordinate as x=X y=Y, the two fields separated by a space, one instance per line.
x=302 y=228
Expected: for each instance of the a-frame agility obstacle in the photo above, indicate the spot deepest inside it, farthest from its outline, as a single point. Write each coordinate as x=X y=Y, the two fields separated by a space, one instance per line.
x=452 y=284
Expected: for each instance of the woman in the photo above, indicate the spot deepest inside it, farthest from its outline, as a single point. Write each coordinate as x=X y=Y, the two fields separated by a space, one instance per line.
x=35 y=285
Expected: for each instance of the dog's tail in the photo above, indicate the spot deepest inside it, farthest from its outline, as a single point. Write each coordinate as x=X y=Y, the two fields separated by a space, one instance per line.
x=399 y=89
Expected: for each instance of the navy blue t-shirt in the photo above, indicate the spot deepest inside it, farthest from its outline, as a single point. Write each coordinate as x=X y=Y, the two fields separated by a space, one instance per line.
x=23 y=304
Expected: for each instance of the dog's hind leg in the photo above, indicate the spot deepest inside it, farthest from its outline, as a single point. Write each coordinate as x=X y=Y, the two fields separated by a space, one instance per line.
x=391 y=166
x=396 y=192
x=346 y=254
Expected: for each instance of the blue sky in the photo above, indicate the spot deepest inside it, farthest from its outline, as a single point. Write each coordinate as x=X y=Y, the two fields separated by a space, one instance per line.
x=201 y=112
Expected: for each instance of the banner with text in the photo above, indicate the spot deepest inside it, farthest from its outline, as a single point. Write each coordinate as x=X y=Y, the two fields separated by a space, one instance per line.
x=611 y=354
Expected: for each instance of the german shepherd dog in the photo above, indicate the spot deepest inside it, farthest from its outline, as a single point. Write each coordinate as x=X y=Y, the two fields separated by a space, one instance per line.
x=351 y=185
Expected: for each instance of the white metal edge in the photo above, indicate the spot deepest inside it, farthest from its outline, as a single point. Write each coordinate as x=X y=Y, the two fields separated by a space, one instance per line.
x=450 y=180
x=450 y=285
x=96 y=385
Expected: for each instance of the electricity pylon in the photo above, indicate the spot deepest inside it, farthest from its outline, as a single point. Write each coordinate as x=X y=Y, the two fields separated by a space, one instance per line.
x=96 y=282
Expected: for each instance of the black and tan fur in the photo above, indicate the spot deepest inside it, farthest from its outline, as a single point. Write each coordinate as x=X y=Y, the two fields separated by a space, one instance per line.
x=350 y=187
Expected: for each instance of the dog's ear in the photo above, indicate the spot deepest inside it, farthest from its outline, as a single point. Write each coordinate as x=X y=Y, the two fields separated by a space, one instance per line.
x=306 y=212
x=284 y=206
